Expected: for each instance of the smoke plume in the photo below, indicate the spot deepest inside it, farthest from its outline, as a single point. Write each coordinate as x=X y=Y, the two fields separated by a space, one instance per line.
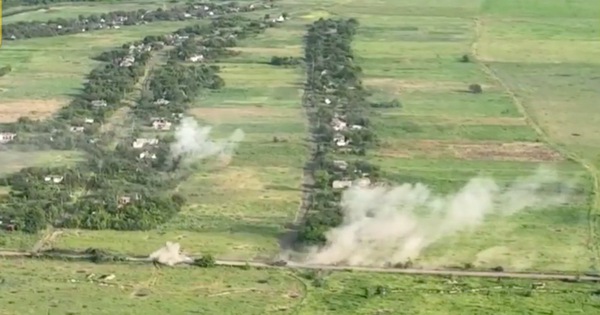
x=170 y=255
x=393 y=224
x=193 y=143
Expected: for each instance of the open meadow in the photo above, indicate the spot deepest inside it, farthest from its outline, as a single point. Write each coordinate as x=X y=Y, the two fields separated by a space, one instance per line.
x=490 y=88
x=34 y=287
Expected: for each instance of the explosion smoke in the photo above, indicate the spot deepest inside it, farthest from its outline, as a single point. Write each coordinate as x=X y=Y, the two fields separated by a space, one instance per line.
x=170 y=255
x=389 y=225
x=193 y=143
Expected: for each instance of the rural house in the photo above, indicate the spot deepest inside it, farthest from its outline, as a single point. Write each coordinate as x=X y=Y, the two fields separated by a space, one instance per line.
x=77 y=129
x=141 y=142
x=147 y=155
x=6 y=137
x=363 y=182
x=161 y=124
x=338 y=124
x=53 y=179
x=162 y=101
x=127 y=199
x=196 y=58
x=341 y=184
x=99 y=103
x=89 y=120
x=340 y=140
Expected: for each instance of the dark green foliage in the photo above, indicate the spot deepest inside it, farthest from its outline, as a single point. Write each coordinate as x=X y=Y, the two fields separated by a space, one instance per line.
x=395 y=103
x=5 y=70
x=285 y=61
x=475 y=88
x=206 y=261
x=334 y=91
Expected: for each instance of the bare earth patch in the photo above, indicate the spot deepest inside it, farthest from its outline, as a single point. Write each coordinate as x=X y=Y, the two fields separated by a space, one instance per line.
x=494 y=151
x=292 y=50
x=216 y=115
x=10 y=111
x=395 y=85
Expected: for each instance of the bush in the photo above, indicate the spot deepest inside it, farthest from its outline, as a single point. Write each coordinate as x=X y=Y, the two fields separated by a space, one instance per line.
x=465 y=58
x=475 y=88
x=5 y=70
x=205 y=261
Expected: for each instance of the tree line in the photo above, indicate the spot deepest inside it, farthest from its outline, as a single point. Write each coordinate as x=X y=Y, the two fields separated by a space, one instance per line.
x=117 y=19
x=339 y=118
x=115 y=188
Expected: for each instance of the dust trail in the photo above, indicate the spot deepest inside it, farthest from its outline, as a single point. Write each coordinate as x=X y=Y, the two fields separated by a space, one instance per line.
x=193 y=143
x=170 y=255
x=393 y=224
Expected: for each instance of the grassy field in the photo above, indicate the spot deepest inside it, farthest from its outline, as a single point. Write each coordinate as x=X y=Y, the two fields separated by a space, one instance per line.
x=13 y=161
x=36 y=287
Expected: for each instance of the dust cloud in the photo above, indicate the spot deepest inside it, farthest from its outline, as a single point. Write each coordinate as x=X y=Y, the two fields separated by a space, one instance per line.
x=170 y=255
x=384 y=225
x=193 y=143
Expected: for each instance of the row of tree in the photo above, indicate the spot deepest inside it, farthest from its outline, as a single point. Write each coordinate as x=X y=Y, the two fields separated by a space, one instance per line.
x=117 y=19
x=17 y=3
x=336 y=100
x=115 y=187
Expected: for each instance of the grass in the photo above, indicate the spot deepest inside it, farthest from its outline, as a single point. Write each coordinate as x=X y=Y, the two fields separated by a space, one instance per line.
x=13 y=161
x=63 y=287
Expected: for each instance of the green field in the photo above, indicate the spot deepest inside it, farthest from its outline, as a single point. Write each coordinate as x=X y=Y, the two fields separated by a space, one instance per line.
x=35 y=287
x=537 y=62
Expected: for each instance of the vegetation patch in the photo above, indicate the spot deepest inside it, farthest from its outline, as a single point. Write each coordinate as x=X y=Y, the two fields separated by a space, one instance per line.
x=11 y=111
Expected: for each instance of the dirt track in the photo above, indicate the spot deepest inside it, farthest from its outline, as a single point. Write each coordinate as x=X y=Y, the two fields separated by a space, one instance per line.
x=293 y=265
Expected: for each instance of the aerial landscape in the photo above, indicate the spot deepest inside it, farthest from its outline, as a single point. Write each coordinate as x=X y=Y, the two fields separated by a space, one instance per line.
x=300 y=157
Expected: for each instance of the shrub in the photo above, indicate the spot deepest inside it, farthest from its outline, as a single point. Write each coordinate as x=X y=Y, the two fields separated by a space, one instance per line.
x=5 y=70
x=205 y=261
x=465 y=58
x=475 y=88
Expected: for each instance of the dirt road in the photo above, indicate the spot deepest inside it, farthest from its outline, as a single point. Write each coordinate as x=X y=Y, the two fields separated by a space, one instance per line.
x=293 y=265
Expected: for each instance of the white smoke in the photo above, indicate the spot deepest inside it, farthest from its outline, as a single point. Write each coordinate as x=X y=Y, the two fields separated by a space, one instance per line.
x=170 y=255
x=192 y=142
x=393 y=224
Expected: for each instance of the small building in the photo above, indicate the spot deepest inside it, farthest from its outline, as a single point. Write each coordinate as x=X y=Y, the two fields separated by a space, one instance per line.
x=327 y=101
x=280 y=19
x=162 y=101
x=177 y=115
x=127 y=61
x=141 y=142
x=161 y=124
x=6 y=137
x=196 y=58
x=147 y=155
x=338 y=124
x=356 y=127
x=127 y=199
x=340 y=140
x=56 y=179
x=89 y=120
x=341 y=184
x=99 y=103
x=77 y=129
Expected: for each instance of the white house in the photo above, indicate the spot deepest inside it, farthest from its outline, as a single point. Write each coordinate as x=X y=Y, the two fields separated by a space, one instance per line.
x=99 y=103
x=77 y=129
x=161 y=124
x=340 y=140
x=162 y=101
x=196 y=58
x=338 y=124
x=6 y=137
x=341 y=184
x=89 y=120
x=141 y=142
x=53 y=178
x=147 y=155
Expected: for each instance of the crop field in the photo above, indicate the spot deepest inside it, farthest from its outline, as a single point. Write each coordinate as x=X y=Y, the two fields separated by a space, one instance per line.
x=34 y=287
x=486 y=88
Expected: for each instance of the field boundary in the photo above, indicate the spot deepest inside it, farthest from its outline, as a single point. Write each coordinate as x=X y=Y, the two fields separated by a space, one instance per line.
x=594 y=210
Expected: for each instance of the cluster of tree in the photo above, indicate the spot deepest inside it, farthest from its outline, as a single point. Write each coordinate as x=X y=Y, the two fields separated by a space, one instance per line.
x=285 y=61
x=117 y=19
x=115 y=188
x=5 y=70
x=336 y=99
x=226 y=32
